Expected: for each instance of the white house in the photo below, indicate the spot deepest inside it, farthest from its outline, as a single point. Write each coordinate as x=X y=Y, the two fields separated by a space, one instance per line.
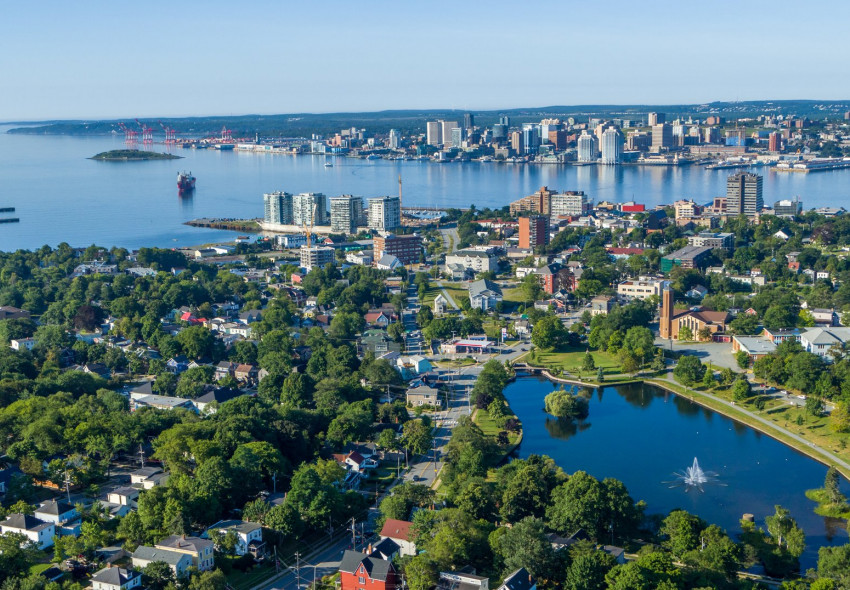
x=177 y=561
x=38 y=531
x=484 y=294
x=248 y=534
x=22 y=344
x=819 y=340
x=388 y=262
x=123 y=496
x=116 y=578
x=475 y=259
x=399 y=531
x=56 y=512
x=148 y=477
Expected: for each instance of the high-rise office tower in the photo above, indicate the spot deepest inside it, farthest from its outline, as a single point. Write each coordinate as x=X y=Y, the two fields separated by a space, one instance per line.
x=277 y=208
x=446 y=131
x=516 y=142
x=433 y=133
x=468 y=121
x=458 y=136
x=309 y=209
x=587 y=150
x=505 y=120
x=500 y=132
x=530 y=138
x=533 y=231
x=662 y=137
x=346 y=214
x=653 y=119
x=774 y=142
x=612 y=146
x=385 y=213
x=744 y=194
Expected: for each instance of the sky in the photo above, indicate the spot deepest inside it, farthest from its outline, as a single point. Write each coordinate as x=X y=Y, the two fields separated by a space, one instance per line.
x=99 y=59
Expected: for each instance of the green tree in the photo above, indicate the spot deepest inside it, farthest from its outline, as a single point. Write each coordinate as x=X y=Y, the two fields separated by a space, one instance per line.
x=417 y=436
x=157 y=575
x=686 y=334
x=420 y=572
x=549 y=333
x=743 y=359
x=563 y=404
x=741 y=389
x=526 y=545
x=831 y=486
x=588 y=570
x=785 y=532
x=680 y=531
x=587 y=363
x=689 y=370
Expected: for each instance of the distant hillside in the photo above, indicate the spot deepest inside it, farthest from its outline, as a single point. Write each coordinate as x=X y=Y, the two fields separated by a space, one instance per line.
x=413 y=121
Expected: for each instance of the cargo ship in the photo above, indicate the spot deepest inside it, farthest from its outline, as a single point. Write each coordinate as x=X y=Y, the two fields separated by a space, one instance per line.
x=185 y=182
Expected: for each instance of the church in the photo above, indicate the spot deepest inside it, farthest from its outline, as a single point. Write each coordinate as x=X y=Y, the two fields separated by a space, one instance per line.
x=673 y=321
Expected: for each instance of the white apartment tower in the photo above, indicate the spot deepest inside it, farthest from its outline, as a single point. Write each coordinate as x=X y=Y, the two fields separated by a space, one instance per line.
x=587 y=150
x=612 y=146
x=309 y=209
x=385 y=213
x=346 y=214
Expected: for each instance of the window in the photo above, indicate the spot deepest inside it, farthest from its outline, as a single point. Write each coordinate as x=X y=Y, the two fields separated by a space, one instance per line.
x=361 y=580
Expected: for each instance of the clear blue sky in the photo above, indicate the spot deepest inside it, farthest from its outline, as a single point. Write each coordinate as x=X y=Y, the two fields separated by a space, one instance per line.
x=99 y=59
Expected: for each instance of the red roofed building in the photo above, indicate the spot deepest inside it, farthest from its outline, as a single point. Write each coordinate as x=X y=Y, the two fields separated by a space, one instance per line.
x=623 y=252
x=399 y=531
x=632 y=208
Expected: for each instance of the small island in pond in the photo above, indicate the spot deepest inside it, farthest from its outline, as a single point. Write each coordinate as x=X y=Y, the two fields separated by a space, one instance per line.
x=132 y=156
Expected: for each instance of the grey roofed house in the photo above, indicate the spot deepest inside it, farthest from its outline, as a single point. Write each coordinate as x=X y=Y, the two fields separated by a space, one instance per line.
x=25 y=522
x=145 y=553
x=145 y=472
x=378 y=569
x=519 y=580
x=115 y=576
x=386 y=549
x=184 y=543
x=482 y=285
x=239 y=526
x=55 y=507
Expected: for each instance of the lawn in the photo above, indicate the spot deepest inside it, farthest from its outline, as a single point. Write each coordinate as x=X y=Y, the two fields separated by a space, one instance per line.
x=245 y=580
x=571 y=359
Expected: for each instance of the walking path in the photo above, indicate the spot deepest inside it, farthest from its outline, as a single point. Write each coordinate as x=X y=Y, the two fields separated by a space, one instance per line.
x=805 y=446
x=447 y=296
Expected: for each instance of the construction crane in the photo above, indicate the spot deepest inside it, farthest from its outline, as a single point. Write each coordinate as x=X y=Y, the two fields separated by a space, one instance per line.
x=226 y=134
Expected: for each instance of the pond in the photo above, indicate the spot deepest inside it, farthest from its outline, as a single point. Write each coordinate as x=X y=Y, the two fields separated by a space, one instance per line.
x=641 y=434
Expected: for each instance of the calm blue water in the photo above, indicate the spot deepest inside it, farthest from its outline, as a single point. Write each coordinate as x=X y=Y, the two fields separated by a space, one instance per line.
x=640 y=435
x=61 y=196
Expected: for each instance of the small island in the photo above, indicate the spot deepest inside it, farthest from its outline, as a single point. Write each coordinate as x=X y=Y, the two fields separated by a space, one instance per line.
x=132 y=156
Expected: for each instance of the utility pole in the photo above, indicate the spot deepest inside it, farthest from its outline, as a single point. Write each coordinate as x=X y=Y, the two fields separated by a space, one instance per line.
x=274 y=482
x=67 y=483
x=141 y=455
x=353 y=535
x=297 y=570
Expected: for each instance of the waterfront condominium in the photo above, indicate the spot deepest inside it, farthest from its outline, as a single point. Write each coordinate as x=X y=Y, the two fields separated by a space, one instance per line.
x=278 y=208
x=385 y=213
x=612 y=146
x=587 y=147
x=744 y=194
x=309 y=209
x=346 y=214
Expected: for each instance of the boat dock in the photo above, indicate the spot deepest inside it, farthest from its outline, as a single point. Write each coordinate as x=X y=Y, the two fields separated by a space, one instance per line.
x=8 y=219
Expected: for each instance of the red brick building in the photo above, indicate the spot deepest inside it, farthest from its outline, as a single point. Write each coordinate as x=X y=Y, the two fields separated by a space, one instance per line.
x=533 y=231
x=405 y=248
x=359 y=571
x=554 y=277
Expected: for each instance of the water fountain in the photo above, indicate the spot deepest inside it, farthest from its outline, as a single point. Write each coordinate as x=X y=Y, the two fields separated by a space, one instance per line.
x=694 y=477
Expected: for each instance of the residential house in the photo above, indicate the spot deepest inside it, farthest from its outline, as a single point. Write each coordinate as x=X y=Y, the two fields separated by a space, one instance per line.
x=359 y=571
x=385 y=549
x=819 y=340
x=399 y=531
x=458 y=272
x=424 y=396
x=161 y=402
x=755 y=347
x=22 y=344
x=179 y=562
x=464 y=579
x=246 y=373
x=249 y=317
x=601 y=304
x=378 y=342
x=696 y=292
x=97 y=369
x=7 y=312
x=519 y=580
x=116 y=578
x=249 y=535
x=199 y=550
x=477 y=259
x=388 y=262
x=356 y=462
x=825 y=317
x=37 y=531
x=123 y=496
x=412 y=366
x=484 y=294
x=178 y=364
x=378 y=318
x=522 y=328
x=555 y=277
x=440 y=304
x=148 y=477
x=57 y=512
x=224 y=369
x=214 y=397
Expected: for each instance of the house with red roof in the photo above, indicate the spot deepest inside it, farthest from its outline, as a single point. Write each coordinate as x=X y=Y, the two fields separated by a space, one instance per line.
x=399 y=531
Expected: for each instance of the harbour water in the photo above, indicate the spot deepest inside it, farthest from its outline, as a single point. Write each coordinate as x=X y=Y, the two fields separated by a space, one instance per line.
x=643 y=435
x=61 y=196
